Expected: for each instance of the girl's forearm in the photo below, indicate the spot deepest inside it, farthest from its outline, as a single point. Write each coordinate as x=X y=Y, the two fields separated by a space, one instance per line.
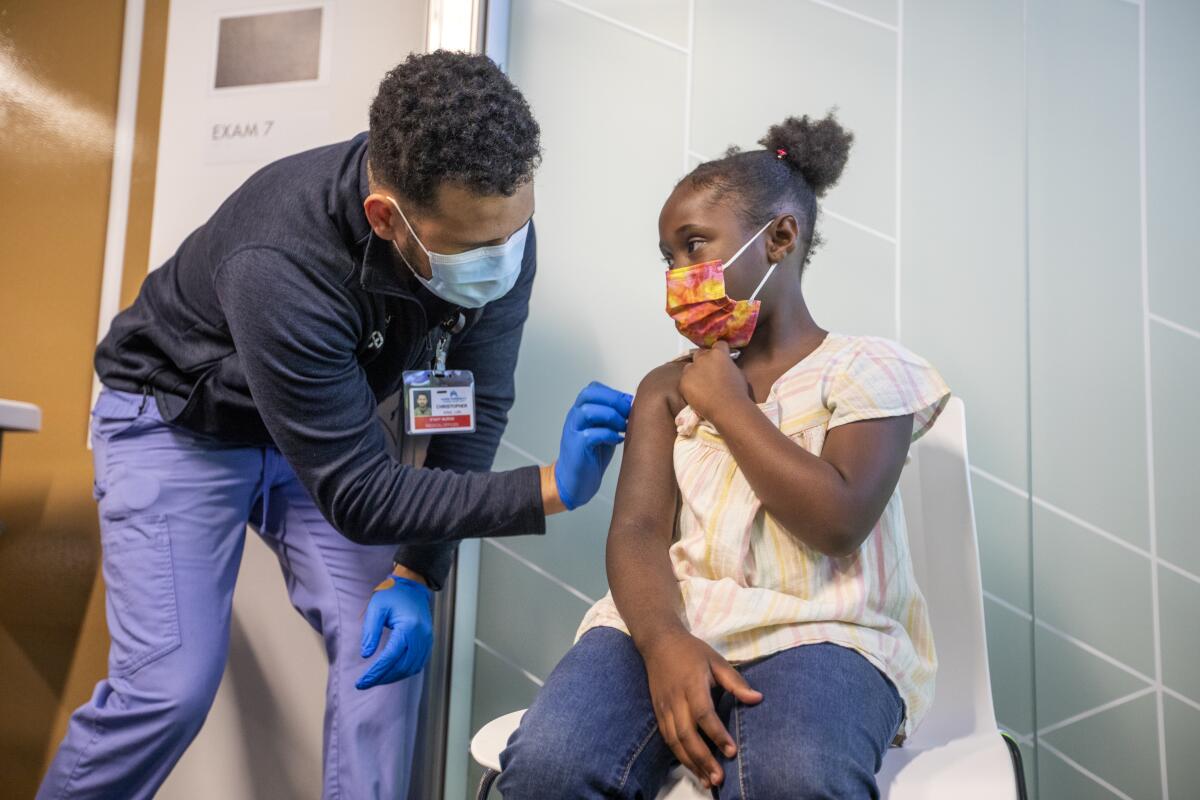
x=643 y=585
x=806 y=494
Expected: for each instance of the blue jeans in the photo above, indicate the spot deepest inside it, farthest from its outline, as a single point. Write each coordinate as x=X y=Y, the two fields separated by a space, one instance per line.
x=173 y=514
x=825 y=721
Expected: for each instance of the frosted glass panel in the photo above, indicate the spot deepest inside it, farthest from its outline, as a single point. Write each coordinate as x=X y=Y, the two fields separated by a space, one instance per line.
x=1087 y=349
x=665 y=19
x=1175 y=386
x=963 y=277
x=759 y=61
x=1173 y=161
x=850 y=284
x=883 y=11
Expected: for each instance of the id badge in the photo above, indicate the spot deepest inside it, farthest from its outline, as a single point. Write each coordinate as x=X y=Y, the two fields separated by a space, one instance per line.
x=439 y=401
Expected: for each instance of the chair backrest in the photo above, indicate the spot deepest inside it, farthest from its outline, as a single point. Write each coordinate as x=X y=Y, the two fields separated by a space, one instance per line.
x=935 y=489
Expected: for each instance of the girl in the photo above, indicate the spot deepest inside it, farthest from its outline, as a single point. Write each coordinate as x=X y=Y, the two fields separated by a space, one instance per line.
x=764 y=627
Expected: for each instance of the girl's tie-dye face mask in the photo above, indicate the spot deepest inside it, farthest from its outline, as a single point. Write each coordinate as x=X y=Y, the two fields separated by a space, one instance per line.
x=696 y=300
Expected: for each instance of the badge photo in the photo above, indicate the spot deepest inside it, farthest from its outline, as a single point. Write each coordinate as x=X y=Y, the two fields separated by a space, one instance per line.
x=439 y=401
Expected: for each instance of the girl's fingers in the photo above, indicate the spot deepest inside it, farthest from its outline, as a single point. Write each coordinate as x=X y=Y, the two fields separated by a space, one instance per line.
x=666 y=726
x=710 y=723
x=732 y=681
x=705 y=766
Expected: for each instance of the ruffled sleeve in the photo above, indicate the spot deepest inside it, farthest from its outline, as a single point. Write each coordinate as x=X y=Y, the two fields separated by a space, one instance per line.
x=878 y=378
x=686 y=422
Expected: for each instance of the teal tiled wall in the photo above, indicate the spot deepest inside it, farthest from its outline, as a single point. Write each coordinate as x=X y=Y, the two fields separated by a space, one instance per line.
x=1020 y=208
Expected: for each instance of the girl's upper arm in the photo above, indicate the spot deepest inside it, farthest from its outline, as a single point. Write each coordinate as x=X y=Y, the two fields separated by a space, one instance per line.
x=869 y=456
x=646 y=489
x=882 y=397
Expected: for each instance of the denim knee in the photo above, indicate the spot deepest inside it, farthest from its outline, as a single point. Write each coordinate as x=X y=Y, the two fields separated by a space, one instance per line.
x=547 y=761
x=822 y=773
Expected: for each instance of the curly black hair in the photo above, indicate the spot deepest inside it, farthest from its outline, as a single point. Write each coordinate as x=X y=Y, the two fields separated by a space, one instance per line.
x=803 y=159
x=447 y=116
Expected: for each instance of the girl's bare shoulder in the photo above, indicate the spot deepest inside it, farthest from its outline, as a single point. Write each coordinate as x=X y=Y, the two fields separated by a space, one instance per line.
x=662 y=383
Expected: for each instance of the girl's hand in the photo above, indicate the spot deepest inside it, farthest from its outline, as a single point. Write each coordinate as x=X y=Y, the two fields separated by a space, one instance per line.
x=682 y=672
x=712 y=383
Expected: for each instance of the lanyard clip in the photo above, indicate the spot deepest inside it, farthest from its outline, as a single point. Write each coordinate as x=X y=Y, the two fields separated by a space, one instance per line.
x=440 y=348
x=452 y=324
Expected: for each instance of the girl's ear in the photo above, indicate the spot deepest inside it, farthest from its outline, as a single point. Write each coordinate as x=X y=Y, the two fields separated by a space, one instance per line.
x=782 y=238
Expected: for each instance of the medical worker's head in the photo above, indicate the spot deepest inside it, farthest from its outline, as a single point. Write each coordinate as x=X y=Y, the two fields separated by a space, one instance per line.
x=722 y=204
x=452 y=148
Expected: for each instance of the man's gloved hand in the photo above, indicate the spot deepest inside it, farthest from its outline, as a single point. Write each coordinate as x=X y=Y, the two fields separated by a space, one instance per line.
x=594 y=427
x=404 y=606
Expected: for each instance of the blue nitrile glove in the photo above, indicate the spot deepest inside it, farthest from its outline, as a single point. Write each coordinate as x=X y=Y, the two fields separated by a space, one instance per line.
x=594 y=427
x=403 y=606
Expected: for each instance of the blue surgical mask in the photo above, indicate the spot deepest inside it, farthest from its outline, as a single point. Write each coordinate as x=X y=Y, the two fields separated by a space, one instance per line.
x=474 y=278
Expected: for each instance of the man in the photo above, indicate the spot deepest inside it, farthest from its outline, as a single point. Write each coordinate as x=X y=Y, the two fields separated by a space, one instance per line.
x=422 y=407
x=243 y=385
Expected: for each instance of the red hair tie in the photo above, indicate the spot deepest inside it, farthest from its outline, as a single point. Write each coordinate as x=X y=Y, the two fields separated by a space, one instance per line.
x=780 y=153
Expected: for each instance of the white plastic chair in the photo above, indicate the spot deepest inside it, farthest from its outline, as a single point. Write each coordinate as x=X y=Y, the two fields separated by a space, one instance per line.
x=958 y=751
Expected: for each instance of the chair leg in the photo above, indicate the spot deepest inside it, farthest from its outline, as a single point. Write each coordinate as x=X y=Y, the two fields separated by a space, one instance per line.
x=1014 y=751
x=489 y=777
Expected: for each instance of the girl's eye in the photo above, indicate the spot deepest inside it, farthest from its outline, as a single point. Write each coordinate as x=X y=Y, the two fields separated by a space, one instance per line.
x=693 y=245
x=668 y=261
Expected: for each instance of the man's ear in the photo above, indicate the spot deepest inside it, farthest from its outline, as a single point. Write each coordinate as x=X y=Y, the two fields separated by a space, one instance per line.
x=782 y=238
x=382 y=216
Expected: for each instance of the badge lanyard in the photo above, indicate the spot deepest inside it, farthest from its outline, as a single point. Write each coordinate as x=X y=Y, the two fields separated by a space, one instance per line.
x=440 y=400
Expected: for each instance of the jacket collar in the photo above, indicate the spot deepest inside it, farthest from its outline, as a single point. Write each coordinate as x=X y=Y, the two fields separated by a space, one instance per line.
x=378 y=269
x=379 y=272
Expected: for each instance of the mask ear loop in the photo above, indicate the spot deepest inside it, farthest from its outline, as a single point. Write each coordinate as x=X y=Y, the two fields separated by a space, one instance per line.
x=749 y=242
x=408 y=225
x=766 y=277
x=733 y=354
x=763 y=282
